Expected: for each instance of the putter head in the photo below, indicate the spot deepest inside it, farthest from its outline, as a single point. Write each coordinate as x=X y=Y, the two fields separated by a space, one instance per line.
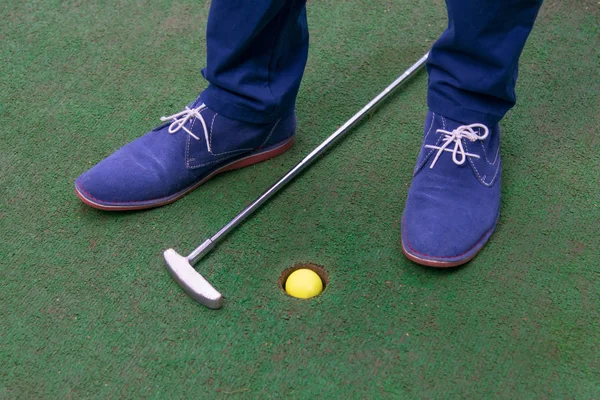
x=191 y=281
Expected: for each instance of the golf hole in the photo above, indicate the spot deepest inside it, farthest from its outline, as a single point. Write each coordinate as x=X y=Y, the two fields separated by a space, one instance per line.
x=319 y=270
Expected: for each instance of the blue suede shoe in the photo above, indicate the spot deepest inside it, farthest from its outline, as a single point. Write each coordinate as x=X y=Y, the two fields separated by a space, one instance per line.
x=177 y=157
x=453 y=203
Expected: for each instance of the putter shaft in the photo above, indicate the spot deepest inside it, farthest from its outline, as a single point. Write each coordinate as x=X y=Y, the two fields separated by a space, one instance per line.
x=207 y=246
x=180 y=267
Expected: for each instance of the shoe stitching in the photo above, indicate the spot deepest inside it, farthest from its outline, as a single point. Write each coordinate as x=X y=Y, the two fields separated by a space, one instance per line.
x=225 y=154
x=485 y=153
x=430 y=126
x=187 y=152
x=481 y=179
x=212 y=125
x=188 y=163
x=479 y=176
x=193 y=120
x=215 y=161
x=270 y=133
x=418 y=167
x=486 y=157
x=187 y=146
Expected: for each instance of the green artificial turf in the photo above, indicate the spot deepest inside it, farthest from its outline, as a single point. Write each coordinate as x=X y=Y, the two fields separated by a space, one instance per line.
x=87 y=309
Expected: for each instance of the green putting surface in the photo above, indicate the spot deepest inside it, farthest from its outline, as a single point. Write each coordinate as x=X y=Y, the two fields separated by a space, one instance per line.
x=87 y=308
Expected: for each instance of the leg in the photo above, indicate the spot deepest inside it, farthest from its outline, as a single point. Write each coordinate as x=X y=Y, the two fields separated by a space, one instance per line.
x=256 y=56
x=453 y=203
x=473 y=65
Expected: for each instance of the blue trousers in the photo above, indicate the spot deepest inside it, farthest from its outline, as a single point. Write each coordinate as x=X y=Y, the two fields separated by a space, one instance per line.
x=257 y=51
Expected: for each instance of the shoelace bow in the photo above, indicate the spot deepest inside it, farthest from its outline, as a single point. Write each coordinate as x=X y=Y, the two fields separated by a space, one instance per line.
x=462 y=132
x=183 y=117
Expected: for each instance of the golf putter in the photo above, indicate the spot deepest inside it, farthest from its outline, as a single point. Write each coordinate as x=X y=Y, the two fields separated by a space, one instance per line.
x=181 y=268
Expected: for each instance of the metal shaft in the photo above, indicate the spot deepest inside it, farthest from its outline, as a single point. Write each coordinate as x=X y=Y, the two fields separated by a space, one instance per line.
x=205 y=247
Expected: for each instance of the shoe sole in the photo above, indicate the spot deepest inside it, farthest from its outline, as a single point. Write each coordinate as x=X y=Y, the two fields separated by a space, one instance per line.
x=450 y=264
x=436 y=264
x=241 y=163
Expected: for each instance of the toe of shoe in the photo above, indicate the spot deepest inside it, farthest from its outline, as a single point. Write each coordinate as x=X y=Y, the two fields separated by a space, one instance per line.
x=118 y=183
x=443 y=241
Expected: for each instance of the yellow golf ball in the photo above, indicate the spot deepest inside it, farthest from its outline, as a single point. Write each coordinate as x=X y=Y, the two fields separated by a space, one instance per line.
x=304 y=284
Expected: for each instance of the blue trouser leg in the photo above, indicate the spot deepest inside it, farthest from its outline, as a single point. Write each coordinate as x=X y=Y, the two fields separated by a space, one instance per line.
x=256 y=53
x=473 y=65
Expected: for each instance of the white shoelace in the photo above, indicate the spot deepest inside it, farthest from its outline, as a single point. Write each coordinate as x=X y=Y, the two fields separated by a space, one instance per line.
x=182 y=118
x=456 y=136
